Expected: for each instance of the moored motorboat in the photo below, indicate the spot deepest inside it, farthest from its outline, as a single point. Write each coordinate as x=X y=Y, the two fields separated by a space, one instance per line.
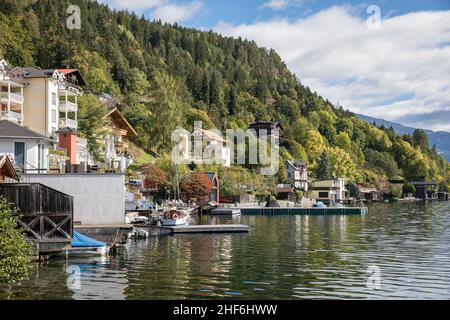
x=175 y=218
x=82 y=245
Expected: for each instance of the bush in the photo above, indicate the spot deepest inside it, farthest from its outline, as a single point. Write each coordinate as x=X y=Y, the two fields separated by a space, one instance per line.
x=408 y=187
x=15 y=250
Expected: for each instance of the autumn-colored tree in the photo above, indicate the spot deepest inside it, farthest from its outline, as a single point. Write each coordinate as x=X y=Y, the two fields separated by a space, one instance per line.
x=196 y=187
x=154 y=177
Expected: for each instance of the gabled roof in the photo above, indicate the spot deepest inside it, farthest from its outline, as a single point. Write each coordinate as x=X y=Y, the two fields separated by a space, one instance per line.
x=9 y=129
x=118 y=117
x=211 y=175
x=7 y=168
x=33 y=72
x=73 y=76
x=296 y=164
x=211 y=135
x=266 y=125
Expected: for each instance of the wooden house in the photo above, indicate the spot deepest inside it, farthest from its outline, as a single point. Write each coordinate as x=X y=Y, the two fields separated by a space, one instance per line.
x=7 y=171
x=47 y=214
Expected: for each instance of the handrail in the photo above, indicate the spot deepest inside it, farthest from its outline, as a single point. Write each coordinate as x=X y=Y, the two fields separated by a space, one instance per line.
x=12 y=96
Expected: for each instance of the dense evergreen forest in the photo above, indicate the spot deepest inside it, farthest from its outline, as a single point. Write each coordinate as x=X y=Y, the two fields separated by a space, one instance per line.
x=167 y=75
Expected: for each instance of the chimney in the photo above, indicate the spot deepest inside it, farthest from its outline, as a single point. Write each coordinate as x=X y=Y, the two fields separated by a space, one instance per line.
x=68 y=141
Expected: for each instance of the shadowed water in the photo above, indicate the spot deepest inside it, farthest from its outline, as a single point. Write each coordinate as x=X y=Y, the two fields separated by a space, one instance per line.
x=285 y=257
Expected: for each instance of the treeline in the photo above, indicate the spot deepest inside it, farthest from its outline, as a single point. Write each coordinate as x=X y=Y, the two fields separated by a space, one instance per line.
x=167 y=75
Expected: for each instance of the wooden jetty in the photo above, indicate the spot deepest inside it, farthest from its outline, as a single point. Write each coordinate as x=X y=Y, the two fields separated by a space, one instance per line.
x=304 y=211
x=196 y=229
x=225 y=212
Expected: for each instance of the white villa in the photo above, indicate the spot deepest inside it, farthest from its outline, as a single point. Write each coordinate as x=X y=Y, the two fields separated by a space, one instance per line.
x=297 y=172
x=11 y=96
x=28 y=150
x=328 y=190
x=213 y=142
x=50 y=98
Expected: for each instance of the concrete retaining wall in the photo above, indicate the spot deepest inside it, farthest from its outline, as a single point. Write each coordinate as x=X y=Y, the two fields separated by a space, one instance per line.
x=99 y=199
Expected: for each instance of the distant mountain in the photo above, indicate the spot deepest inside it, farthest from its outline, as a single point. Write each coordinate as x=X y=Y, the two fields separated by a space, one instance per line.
x=439 y=138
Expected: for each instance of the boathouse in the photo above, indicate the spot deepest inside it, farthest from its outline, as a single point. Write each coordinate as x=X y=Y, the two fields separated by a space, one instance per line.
x=369 y=194
x=425 y=190
x=47 y=214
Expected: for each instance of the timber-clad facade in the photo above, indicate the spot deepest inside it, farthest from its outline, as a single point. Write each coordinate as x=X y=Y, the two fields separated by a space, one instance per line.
x=47 y=214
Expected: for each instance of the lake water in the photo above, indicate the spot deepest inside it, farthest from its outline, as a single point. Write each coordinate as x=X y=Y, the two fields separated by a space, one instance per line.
x=403 y=248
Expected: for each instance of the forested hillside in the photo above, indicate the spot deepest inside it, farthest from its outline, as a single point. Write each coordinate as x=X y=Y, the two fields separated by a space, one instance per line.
x=166 y=75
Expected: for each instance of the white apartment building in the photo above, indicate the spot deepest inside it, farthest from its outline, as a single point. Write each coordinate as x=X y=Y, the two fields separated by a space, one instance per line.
x=50 y=98
x=11 y=96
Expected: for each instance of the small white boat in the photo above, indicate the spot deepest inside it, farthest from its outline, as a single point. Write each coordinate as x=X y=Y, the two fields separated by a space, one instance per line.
x=175 y=218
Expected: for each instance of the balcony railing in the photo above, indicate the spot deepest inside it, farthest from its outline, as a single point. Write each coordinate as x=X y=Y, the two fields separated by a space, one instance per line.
x=68 y=123
x=121 y=145
x=11 y=116
x=12 y=97
x=70 y=106
x=82 y=142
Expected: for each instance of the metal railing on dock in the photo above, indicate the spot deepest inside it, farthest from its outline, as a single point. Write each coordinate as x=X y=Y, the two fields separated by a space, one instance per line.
x=304 y=211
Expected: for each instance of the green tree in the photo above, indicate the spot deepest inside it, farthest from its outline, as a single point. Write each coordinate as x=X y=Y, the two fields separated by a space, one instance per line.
x=343 y=141
x=91 y=122
x=168 y=101
x=353 y=190
x=420 y=139
x=15 y=250
x=408 y=187
x=342 y=164
x=324 y=167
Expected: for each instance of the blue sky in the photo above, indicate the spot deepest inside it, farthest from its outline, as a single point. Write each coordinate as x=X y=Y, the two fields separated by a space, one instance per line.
x=246 y=11
x=396 y=69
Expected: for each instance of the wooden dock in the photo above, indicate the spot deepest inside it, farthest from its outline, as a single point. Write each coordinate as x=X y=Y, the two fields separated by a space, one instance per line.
x=304 y=211
x=195 y=229
x=224 y=212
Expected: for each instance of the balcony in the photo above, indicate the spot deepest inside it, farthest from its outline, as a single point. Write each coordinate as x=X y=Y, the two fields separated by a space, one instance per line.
x=121 y=145
x=68 y=105
x=11 y=116
x=11 y=97
x=68 y=123
x=82 y=142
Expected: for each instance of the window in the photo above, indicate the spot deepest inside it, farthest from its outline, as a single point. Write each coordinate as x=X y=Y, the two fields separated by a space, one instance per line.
x=53 y=116
x=54 y=99
x=19 y=154
x=41 y=156
x=323 y=194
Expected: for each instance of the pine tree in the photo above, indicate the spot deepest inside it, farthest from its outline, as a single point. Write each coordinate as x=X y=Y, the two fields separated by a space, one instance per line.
x=324 y=168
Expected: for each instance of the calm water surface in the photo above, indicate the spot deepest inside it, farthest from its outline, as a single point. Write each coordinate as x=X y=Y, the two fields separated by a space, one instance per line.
x=288 y=257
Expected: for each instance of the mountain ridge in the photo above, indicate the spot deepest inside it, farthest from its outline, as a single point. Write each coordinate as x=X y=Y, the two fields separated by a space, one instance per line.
x=441 y=139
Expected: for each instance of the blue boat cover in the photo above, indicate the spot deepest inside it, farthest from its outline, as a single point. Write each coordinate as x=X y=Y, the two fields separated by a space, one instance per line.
x=81 y=241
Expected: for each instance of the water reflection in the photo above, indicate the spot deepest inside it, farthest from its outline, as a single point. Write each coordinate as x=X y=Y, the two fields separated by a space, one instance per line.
x=283 y=257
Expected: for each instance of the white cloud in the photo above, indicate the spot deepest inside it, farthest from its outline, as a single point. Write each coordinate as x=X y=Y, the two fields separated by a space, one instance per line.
x=136 y=5
x=399 y=72
x=276 y=4
x=178 y=12
x=165 y=10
